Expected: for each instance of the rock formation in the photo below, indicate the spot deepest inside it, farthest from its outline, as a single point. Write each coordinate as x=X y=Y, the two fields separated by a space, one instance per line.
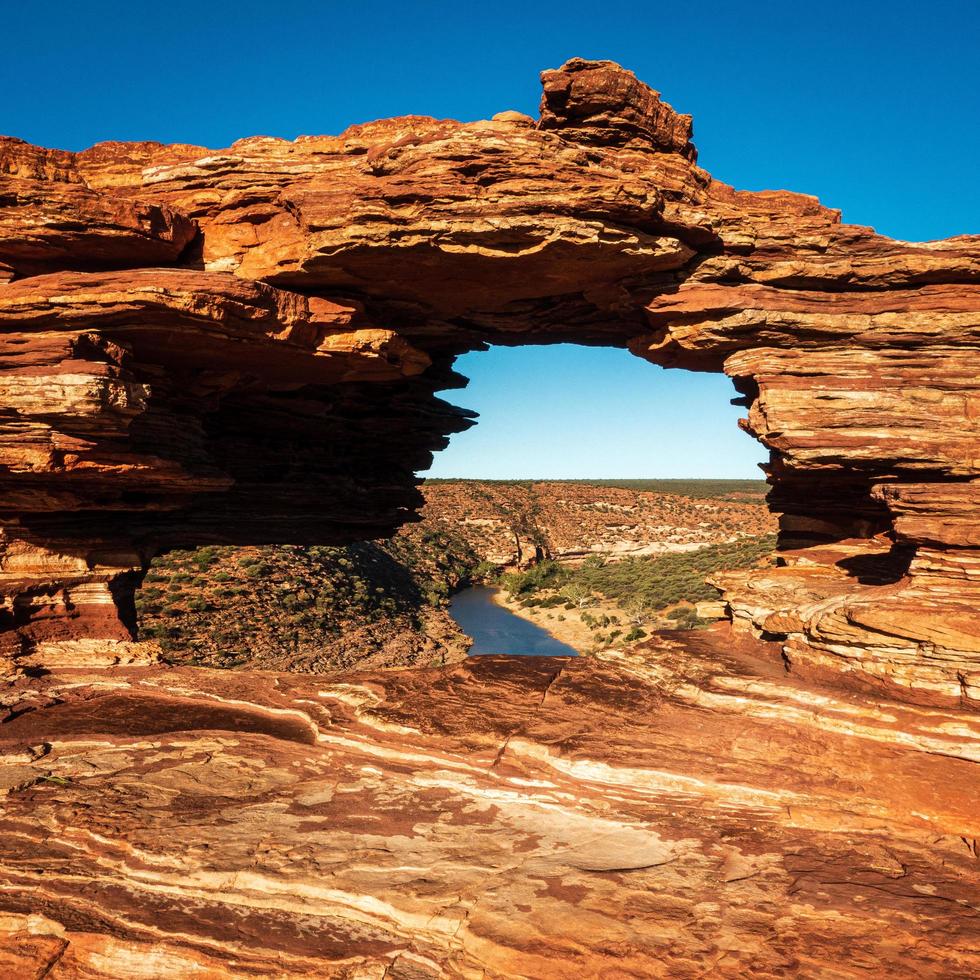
x=689 y=813
x=243 y=345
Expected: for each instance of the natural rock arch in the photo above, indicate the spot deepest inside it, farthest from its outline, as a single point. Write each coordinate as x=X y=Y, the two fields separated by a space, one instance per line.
x=243 y=346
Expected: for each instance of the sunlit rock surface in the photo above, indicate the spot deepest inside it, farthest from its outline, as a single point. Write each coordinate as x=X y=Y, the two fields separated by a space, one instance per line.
x=690 y=812
x=242 y=345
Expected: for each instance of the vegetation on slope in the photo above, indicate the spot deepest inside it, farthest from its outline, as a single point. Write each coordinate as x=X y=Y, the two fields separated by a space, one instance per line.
x=654 y=592
x=308 y=608
x=755 y=490
x=657 y=582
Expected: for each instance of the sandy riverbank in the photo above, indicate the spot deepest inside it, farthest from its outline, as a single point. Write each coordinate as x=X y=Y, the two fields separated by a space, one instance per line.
x=567 y=624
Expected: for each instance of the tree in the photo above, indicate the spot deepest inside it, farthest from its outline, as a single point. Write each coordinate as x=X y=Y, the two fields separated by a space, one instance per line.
x=637 y=609
x=580 y=594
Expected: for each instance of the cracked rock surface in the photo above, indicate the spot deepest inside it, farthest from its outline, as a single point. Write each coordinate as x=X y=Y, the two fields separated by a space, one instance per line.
x=690 y=811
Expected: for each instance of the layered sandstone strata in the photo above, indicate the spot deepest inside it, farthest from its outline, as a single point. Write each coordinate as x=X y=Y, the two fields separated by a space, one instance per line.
x=243 y=345
x=518 y=524
x=691 y=812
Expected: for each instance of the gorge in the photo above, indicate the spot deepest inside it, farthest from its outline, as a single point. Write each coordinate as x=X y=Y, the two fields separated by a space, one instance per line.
x=242 y=347
x=388 y=603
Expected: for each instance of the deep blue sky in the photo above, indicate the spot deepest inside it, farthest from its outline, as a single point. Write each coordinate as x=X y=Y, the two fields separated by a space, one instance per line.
x=873 y=106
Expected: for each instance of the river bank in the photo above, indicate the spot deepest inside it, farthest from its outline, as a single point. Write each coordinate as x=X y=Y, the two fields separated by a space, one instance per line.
x=568 y=626
x=496 y=630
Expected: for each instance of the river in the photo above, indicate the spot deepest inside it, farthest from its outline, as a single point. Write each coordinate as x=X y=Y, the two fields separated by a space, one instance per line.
x=495 y=629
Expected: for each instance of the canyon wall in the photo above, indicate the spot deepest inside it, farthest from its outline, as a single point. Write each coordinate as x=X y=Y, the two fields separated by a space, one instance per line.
x=243 y=346
x=519 y=523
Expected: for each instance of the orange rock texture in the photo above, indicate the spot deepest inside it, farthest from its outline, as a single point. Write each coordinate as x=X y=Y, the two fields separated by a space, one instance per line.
x=693 y=812
x=243 y=344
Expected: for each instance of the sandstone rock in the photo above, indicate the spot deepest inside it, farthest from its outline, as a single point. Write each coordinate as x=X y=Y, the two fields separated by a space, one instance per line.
x=507 y=817
x=511 y=116
x=275 y=381
x=711 y=610
x=597 y=101
x=50 y=219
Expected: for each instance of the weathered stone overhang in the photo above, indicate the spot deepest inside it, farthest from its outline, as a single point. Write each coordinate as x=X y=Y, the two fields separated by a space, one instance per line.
x=243 y=345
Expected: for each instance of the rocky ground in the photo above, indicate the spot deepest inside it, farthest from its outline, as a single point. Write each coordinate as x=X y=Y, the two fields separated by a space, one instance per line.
x=384 y=604
x=514 y=522
x=690 y=811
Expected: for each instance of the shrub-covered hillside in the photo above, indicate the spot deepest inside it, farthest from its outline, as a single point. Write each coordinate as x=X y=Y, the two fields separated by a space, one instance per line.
x=308 y=608
x=622 y=601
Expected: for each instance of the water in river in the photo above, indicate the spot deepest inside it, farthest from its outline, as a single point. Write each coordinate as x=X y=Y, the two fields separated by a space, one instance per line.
x=497 y=630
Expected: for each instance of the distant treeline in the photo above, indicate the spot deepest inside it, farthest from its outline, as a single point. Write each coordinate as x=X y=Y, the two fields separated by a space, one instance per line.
x=702 y=489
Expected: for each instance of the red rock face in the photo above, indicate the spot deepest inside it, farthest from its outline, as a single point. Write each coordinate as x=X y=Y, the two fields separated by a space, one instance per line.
x=243 y=345
x=51 y=218
x=691 y=811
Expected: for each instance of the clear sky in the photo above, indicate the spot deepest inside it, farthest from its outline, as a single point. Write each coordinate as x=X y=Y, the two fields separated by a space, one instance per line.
x=570 y=412
x=871 y=105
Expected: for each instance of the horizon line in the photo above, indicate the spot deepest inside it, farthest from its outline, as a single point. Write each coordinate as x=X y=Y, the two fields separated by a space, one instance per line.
x=579 y=479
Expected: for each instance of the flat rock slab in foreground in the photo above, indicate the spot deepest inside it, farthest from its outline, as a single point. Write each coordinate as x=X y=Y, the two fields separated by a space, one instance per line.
x=693 y=812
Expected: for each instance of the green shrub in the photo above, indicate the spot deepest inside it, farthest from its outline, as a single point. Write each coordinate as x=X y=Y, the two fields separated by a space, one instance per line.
x=552 y=601
x=483 y=571
x=543 y=574
x=205 y=557
x=651 y=583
